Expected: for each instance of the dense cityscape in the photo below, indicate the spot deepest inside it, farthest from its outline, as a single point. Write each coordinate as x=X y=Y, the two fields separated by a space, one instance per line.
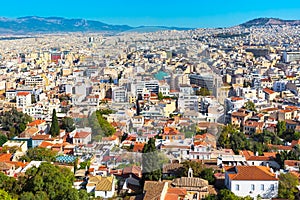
x=210 y=113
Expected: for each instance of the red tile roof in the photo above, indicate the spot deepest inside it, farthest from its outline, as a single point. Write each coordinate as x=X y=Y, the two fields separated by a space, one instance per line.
x=268 y=91
x=23 y=93
x=5 y=157
x=82 y=134
x=36 y=122
x=40 y=137
x=250 y=173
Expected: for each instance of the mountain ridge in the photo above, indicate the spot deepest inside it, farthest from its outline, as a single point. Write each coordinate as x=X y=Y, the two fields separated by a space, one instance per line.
x=36 y=24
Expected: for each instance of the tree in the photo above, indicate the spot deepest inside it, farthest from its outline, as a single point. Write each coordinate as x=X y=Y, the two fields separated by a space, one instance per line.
x=39 y=154
x=203 y=92
x=281 y=128
x=49 y=182
x=228 y=195
x=14 y=122
x=231 y=137
x=197 y=168
x=7 y=183
x=3 y=139
x=105 y=128
x=85 y=164
x=151 y=167
x=54 y=129
x=160 y=96
x=5 y=196
x=208 y=174
x=287 y=186
x=68 y=124
x=249 y=105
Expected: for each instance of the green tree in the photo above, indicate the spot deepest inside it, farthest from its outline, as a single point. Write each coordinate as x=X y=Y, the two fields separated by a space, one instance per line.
x=8 y=184
x=231 y=137
x=50 y=180
x=85 y=164
x=281 y=128
x=104 y=128
x=3 y=139
x=208 y=174
x=54 y=129
x=228 y=195
x=68 y=124
x=160 y=96
x=203 y=92
x=151 y=167
x=15 y=122
x=27 y=196
x=197 y=168
x=83 y=194
x=5 y=196
x=249 y=105
x=39 y=154
x=287 y=186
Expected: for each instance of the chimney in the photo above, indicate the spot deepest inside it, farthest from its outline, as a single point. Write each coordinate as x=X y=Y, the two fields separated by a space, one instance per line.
x=256 y=153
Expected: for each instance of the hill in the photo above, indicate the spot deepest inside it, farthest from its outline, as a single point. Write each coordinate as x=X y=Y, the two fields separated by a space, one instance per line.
x=270 y=21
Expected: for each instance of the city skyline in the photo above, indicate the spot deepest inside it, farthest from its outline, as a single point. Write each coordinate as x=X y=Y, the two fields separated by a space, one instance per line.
x=191 y=14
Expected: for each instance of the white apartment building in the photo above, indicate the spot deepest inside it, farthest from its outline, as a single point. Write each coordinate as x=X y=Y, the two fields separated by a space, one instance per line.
x=119 y=94
x=34 y=81
x=188 y=102
x=23 y=99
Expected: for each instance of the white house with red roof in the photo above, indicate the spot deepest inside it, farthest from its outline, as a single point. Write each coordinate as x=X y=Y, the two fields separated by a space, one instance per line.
x=252 y=181
x=82 y=135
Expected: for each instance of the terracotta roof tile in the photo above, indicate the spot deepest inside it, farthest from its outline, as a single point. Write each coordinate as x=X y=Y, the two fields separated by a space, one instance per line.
x=23 y=93
x=250 y=173
x=36 y=122
x=5 y=157
x=82 y=134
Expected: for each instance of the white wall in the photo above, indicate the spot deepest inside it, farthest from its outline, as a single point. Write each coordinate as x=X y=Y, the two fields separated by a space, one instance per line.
x=245 y=188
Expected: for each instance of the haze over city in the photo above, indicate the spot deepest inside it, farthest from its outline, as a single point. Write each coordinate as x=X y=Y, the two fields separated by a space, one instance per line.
x=195 y=14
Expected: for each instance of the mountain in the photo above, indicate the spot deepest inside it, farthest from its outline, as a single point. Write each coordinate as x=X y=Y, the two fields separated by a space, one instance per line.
x=270 y=21
x=34 y=24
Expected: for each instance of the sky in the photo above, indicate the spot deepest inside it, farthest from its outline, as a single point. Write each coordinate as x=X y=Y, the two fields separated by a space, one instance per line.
x=183 y=13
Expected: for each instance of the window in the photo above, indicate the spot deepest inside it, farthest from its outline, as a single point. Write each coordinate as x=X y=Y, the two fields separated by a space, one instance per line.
x=272 y=187
x=252 y=187
x=237 y=187
x=262 y=187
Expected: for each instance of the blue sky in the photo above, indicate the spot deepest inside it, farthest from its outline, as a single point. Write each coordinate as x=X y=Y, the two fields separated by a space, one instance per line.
x=196 y=13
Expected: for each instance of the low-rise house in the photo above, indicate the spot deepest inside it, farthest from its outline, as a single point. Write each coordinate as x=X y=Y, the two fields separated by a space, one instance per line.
x=103 y=187
x=155 y=190
x=41 y=125
x=240 y=116
x=170 y=133
x=171 y=169
x=270 y=95
x=252 y=127
x=252 y=181
x=292 y=165
x=200 y=152
x=38 y=139
x=82 y=137
x=256 y=160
